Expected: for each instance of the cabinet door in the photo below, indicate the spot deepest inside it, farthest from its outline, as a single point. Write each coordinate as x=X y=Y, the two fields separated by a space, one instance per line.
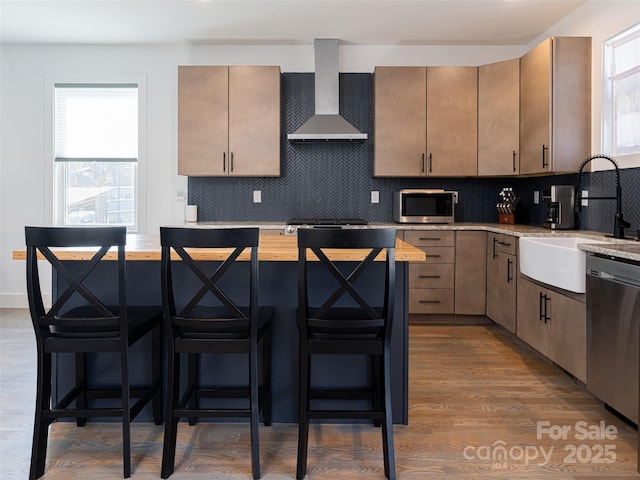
x=452 y=121
x=499 y=118
x=437 y=275
x=431 y=300
x=555 y=105
x=531 y=326
x=470 y=276
x=493 y=304
x=535 y=109
x=571 y=103
x=568 y=334
x=254 y=121
x=400 y=121
x=203 y=111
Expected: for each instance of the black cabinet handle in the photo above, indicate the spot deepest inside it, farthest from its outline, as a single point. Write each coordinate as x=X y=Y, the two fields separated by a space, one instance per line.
x=509 y=276
x=429 y=301
x=545 y=149
x=422 y=163
x=429 y=276
x=433 y=239
x=514 y=160
x=547 y=311
x=231 y=163
x=224 y=161
x=430 y=162
x=541 y=316
x=495 y=241
x=435 y=256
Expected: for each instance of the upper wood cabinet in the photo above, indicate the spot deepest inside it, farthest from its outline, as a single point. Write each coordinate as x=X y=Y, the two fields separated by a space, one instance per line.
x=452 y=121
x=425 y=121
x=400 y=99
x=499 y=118
x=229 y=121
x=555 y=105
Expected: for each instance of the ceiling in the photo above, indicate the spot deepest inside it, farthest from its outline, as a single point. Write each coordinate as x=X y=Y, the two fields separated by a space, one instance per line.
x=287 y=22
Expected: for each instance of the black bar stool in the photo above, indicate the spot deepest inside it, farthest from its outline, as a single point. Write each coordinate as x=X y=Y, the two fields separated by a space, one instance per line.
x=82 y=321
x=348 y=321
x=220 y=314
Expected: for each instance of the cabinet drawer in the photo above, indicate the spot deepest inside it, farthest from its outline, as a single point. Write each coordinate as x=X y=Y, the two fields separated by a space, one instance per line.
x=435 y=300
x=439 y=254
x=504 y=243
x=432 y=238
x=438 y=275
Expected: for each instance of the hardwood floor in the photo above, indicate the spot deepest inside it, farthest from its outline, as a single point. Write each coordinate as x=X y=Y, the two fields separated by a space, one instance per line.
x=472 y=390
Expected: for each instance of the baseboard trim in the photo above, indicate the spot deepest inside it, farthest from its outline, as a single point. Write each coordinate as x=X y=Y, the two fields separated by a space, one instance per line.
x=19 y=300
x=444 y=319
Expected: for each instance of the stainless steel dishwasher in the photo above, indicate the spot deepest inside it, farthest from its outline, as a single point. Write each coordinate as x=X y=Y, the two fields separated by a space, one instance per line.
x=613 y=336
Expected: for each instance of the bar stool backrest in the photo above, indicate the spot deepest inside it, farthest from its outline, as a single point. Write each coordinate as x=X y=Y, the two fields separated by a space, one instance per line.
x=353 y=306
x=216 y=307
x=92 y=315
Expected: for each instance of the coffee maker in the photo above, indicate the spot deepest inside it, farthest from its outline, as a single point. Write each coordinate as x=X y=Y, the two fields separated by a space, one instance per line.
x=560 y=213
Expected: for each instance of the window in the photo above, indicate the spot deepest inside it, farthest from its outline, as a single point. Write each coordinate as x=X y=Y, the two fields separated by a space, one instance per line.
x=621 y=96
x=96 y=154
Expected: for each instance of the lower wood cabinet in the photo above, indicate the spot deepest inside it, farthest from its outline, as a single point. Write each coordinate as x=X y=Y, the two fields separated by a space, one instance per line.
x=452 y=280
x=470 y=278
x=431 y=283
x=502 y=266
x=554 y=324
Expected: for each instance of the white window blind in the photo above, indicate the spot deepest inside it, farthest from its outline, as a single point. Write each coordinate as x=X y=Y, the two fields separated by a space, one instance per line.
x=96 y=122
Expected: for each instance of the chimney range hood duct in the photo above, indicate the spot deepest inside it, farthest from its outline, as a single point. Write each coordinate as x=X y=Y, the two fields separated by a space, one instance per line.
x=326 y=125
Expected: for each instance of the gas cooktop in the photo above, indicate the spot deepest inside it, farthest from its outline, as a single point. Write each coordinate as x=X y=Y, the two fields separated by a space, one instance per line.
x=326 y=221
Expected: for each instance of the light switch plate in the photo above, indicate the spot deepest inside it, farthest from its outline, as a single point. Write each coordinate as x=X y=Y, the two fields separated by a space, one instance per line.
x=375 y=196
x=257 y=196
x=536 y=197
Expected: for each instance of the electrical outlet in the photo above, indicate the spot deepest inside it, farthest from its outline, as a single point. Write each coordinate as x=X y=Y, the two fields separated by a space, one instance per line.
x=257 y=196
x=375 y=196
x=585 y=198
x=536 y=197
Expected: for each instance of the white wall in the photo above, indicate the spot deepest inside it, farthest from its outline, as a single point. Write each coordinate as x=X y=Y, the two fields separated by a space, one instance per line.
x=22 y=83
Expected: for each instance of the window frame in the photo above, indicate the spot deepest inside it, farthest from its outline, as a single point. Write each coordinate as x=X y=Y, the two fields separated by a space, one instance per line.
x=51 y=189
x=609 y=78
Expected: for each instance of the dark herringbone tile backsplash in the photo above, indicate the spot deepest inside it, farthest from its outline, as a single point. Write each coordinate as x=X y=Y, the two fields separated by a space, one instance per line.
x=335 y=179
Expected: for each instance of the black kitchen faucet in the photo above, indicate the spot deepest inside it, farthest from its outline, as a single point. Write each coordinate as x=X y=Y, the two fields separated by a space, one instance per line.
x=619 y=223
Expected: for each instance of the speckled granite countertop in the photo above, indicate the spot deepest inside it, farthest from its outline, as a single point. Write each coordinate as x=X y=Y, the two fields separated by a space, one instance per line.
x=629 y=249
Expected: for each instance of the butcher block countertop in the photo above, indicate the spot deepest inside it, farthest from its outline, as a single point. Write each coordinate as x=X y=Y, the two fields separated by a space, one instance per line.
x=273 y=248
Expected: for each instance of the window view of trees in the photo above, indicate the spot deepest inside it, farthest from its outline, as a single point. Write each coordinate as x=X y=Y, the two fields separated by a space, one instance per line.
x=99 y=192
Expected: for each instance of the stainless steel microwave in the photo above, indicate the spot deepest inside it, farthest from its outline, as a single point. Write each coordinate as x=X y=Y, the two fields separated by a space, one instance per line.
x=424 y=206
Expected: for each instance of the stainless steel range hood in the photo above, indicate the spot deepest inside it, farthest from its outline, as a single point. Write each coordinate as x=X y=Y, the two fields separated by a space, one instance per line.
x=326 y=125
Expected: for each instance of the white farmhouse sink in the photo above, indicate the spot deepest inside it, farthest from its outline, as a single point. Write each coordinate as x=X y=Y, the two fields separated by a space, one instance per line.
x=555 y=261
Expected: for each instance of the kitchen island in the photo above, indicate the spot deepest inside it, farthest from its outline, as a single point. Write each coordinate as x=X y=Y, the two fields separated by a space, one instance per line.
x=278 y=255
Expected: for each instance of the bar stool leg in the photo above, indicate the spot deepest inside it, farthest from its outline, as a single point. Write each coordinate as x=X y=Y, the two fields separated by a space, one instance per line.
x=303 y=416
x=81 y=379
x=170 y=421
x=41 y=424
x=387 y=426
x=156 y=372
x=126 y=413
x=192 y=381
